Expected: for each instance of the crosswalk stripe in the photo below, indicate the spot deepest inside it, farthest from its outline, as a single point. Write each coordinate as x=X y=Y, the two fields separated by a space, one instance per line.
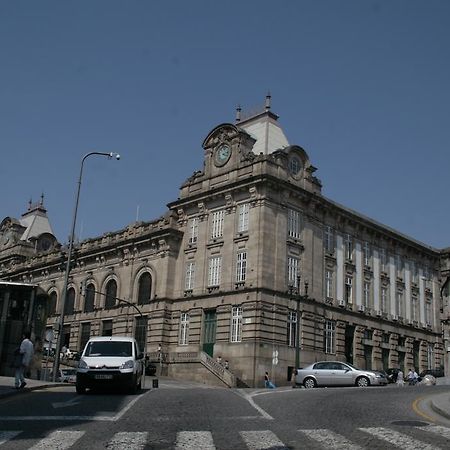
x=58 y=440
x=195 y=440
x=398 y=439
x=330 y=439
x=6 y=436
x=436 y=429
x=129 y=440
x=260 y=440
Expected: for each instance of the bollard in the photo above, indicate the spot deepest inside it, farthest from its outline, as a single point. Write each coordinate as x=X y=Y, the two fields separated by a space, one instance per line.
x=155 y=382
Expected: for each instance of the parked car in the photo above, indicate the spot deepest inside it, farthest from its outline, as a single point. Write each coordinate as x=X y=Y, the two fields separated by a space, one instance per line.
x=435 y=372
x=66 y=376
x=110 y=361
x=335 y=373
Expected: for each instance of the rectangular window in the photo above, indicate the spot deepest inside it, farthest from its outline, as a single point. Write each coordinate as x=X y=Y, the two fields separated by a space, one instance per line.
x=294 y=224
x=348 y=290
x=243 y=213
x=85 y=335
x=329 y=239
x=428 y=318
x=107 y=328
x=291 y=328
x=430 y=356
x=189 y=276
x=329 y=338
x=367 y=253
x=193 y=230
x=384 y=299
x=412 y=268
x=293 y=271
x=217 y=224
x=399 y=265
x=328 y=284
x=184 y=329
x=348 y=242
x=140 y=332
x=241 y=267
x=236 y=324
x=399 y=306
x=414 y=309
x=214 y=272
x=366 y=294
x=383 y=259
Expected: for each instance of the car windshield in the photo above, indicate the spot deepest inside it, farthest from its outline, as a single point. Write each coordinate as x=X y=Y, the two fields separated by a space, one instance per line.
x=109 y=348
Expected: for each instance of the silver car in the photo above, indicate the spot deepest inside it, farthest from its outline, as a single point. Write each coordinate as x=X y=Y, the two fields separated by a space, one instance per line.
x=335 y=373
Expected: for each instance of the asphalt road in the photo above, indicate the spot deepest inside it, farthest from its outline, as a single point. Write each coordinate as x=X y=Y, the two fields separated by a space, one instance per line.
x=177 y=416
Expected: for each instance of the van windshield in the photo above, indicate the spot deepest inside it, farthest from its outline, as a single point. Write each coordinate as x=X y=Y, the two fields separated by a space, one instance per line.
x=109 y=348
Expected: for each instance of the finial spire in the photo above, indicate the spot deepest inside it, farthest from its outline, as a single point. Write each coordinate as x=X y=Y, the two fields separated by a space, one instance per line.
x=268 y=99
x=42 y=199
x=30 y=202
x=238 y=113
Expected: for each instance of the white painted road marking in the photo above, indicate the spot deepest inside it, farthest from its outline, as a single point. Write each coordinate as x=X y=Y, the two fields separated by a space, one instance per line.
x=398 y=439
x=436 y=429
x=260 y=440
x=195 y=440
x=128 y=440
x=330 y=439
x=58 y=440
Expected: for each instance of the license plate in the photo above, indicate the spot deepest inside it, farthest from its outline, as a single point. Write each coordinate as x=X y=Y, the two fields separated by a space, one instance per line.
x=103 y=377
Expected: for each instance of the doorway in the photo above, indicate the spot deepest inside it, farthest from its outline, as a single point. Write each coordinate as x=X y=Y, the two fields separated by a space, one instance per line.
x=349 y=337
x=209 y=331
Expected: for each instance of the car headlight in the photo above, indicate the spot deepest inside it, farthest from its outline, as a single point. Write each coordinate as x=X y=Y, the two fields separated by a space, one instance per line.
x=127 y=365
x=82 y=364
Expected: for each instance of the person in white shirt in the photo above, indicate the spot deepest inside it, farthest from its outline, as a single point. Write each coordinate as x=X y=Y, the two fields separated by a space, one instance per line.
x=400 y=381
x=26 y=351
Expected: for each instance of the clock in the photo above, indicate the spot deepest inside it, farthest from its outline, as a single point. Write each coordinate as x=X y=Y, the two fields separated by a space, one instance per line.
x=222 y=154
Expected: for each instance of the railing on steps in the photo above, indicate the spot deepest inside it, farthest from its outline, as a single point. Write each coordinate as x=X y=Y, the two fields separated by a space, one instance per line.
x=203 y=358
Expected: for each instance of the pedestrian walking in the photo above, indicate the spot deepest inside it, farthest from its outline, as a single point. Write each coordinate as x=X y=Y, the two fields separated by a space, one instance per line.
x=400 y=381
x=267 y=383
x=23 y=359
x=412 y=377
x=36 y=364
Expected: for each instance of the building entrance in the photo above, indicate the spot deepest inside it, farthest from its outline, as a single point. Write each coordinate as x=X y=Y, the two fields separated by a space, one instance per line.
x=209 y=331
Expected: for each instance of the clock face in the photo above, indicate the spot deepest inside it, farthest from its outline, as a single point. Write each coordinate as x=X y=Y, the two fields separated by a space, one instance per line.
x=222 y=155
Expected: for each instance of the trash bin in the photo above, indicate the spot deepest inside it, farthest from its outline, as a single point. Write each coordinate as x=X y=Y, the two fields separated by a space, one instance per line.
x=155 y=382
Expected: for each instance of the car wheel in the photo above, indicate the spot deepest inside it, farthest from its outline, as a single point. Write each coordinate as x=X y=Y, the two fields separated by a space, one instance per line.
x=309 y=383
x=81 y=389
x=362 y=382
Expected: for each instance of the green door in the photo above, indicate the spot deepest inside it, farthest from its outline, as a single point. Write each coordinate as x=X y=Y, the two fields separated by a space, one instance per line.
x=209 y=331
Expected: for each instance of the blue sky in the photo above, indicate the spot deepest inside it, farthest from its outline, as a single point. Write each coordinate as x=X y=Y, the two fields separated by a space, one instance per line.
x=363 y=86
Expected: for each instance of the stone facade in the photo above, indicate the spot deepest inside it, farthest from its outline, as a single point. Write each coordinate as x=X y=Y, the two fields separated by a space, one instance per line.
x=250 y=247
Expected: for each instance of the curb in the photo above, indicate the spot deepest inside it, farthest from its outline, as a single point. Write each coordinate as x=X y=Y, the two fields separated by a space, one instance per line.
x=13 y=391
x=439 y=410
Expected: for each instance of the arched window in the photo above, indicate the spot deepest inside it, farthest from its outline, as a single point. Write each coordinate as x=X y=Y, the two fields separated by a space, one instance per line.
x=69 y=305
x=89 y=298
x=53 y=298
x=111 y=294
x=145 y=289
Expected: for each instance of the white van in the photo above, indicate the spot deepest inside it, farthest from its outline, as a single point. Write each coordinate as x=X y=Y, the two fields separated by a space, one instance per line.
x=110 y=360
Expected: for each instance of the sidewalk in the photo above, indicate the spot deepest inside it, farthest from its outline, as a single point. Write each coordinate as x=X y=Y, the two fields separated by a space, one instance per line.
x=7 y=386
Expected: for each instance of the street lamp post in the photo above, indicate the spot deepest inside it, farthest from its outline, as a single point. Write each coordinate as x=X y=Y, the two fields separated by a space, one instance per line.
x=294 y=292
x=69 y=257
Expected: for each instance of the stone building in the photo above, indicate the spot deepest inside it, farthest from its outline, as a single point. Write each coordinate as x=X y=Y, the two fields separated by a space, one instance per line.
x=250 y=247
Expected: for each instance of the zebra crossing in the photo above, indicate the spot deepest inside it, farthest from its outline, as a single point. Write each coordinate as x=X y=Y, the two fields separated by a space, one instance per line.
x=251 y=439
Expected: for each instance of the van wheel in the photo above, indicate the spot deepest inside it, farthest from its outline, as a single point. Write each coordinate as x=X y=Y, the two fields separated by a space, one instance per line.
x=133 y=386
x=80 y=388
